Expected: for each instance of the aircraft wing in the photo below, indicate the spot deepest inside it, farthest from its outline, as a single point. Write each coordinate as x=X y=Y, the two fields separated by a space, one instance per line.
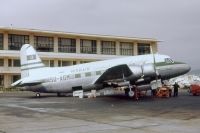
x=119 y=72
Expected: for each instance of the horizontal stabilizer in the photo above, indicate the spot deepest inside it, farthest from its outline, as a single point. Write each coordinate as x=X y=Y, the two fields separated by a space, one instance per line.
x=17 y=83
x=22 y=83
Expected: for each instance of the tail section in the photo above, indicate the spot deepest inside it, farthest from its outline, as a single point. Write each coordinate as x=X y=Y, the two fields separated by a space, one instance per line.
x=29 y=60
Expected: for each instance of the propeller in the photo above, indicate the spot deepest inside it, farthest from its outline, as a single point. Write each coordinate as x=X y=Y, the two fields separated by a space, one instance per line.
x=154 y=65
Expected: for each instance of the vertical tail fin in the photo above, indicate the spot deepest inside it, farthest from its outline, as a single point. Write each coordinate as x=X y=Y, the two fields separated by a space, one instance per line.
x=29 y=60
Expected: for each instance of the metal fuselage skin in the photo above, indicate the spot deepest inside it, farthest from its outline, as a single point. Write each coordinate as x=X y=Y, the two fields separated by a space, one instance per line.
x=64 y=79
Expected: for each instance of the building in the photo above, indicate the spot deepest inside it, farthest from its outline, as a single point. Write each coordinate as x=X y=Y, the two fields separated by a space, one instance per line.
x=64 y=49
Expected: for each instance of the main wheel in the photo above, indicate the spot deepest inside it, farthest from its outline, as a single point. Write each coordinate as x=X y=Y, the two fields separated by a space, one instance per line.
x=130 y=93
x=37 y=94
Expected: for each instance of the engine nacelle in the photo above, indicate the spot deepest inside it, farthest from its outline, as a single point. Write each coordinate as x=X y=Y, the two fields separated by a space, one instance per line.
x=146 y=70
x=137 y=71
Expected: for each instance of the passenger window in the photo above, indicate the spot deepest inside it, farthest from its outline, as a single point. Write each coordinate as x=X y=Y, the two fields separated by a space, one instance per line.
x=77 y=75
x=88 y=74
x=98 y=72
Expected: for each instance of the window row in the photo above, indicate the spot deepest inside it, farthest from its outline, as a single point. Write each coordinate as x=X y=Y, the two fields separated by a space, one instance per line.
x=1 y=41
x=68 y=45
x=11 y=62
x=86 y=74
x=48 y=63
x=13 y=79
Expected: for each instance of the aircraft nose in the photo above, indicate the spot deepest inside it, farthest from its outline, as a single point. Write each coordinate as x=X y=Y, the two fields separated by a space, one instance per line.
x=186 y=68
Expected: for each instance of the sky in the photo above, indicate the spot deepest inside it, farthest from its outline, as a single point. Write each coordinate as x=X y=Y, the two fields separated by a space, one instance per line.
x=175 y=23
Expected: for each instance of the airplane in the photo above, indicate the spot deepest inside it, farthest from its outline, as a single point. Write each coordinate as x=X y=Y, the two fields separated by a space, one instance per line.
x=139 y=70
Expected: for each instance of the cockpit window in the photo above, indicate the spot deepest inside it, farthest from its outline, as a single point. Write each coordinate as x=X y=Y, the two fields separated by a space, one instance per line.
x=168 y=60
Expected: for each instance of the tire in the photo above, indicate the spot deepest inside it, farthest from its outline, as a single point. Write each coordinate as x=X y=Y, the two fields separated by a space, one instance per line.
x=37 y=94
x=131 y=94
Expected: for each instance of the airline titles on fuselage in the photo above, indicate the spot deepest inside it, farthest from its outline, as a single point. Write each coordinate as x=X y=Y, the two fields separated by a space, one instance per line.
x=80 y=70
x=75 y=73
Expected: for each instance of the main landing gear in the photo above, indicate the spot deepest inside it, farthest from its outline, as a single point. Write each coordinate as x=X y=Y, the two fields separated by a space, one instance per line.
x=132 y=92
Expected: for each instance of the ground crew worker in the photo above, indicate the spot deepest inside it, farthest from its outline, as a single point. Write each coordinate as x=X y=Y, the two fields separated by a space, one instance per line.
x=176 y=86
x=135 y=92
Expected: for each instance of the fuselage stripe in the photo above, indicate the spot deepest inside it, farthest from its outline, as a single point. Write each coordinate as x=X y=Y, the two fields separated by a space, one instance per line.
x=36 y=67
x=31 y=63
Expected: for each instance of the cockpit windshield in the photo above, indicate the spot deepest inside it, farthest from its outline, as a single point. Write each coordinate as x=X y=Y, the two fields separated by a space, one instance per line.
x=169 y=60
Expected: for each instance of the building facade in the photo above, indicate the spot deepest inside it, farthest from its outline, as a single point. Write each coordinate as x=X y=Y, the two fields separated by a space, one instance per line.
x=58 y=49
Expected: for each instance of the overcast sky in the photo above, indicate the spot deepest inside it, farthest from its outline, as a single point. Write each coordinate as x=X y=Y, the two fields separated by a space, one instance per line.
x=175 y=22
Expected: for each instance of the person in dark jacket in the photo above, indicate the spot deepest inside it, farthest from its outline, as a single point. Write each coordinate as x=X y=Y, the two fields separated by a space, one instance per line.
x=176 y=86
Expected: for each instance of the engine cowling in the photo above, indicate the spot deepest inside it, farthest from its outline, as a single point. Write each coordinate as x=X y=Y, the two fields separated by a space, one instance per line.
x=137 y=71
x=146 y=70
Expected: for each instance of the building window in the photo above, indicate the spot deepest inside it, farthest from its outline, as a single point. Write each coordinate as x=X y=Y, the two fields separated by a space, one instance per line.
x=1 y=62
x=64 y=63
x=108 y=47
x=1 y=80
x=67 y=45
x=10 y=62
x=43 y=44
x=48 y=63
x=51 y=63
x=15 y=42
x=16 y=63
x=74 y=62
x=82 y=62
x=88 y=46
x=1 y=41
x=143 y=48
x=59 y=63
x=15 y=78
x=126 y=48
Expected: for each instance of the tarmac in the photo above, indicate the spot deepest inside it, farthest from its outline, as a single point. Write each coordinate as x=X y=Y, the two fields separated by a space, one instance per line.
x=22 y=112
